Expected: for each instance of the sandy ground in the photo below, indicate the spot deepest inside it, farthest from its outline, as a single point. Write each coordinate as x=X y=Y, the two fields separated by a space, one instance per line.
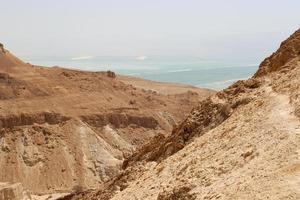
x=161 y=87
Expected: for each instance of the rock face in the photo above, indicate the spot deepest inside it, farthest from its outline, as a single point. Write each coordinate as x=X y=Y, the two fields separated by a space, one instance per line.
x=13 y=192
x=120 y=120
x=23 y=119
x=288 y=50
x=62 y=129
x=241 y=143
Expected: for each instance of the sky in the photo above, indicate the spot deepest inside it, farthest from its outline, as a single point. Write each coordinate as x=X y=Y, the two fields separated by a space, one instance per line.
x=208 y=29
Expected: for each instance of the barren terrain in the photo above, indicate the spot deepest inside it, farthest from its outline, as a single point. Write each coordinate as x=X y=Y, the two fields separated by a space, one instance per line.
x=96 y=136
x=241 y=143
x=65 y=130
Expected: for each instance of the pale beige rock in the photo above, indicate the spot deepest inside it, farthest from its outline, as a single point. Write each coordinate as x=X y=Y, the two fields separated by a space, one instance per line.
x=241 y=143
x=64 y=129
x=13 y=191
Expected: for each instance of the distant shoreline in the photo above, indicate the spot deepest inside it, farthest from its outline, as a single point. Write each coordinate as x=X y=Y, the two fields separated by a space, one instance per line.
x=210 y=76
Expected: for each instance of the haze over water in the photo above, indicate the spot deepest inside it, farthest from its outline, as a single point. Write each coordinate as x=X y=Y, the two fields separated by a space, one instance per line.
x=199 y=42
x=188 y=70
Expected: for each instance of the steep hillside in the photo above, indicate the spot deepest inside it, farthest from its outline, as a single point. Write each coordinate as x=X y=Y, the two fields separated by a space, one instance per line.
x=62 y=129
x=241 y=143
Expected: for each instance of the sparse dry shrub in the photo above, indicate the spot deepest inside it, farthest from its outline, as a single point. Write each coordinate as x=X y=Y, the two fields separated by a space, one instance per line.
x=181 y=193
x=111 y=74
x=77 y=189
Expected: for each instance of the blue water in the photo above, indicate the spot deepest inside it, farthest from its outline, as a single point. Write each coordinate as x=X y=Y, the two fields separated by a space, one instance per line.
x=189 y=70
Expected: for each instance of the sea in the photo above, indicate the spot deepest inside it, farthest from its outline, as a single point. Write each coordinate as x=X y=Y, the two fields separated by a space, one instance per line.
x=204 y=73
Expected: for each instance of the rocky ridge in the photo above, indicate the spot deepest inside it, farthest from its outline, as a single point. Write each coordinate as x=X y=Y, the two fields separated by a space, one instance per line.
x=63 y=130
x=241 y=143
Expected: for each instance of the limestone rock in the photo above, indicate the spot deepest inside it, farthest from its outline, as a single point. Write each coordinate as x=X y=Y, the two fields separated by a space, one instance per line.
x=13 y=192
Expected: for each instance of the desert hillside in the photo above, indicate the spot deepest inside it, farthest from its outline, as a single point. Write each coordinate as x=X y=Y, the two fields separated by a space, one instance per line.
x=241 y=143
x=62 y=129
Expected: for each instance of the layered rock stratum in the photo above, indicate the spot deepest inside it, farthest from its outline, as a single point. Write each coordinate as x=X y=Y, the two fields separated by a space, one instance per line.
x=241 y=143
x=65 y=130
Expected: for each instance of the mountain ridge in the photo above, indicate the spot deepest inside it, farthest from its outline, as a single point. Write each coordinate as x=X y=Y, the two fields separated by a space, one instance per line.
x=62 y=129
x=241 y=143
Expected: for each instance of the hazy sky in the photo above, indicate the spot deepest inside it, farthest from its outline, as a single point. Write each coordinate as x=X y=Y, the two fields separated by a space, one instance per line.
x=210 y=29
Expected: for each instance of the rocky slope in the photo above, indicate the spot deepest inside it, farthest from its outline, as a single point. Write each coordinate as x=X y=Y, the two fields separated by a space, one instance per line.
x=241 y=143
x=63 y=130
